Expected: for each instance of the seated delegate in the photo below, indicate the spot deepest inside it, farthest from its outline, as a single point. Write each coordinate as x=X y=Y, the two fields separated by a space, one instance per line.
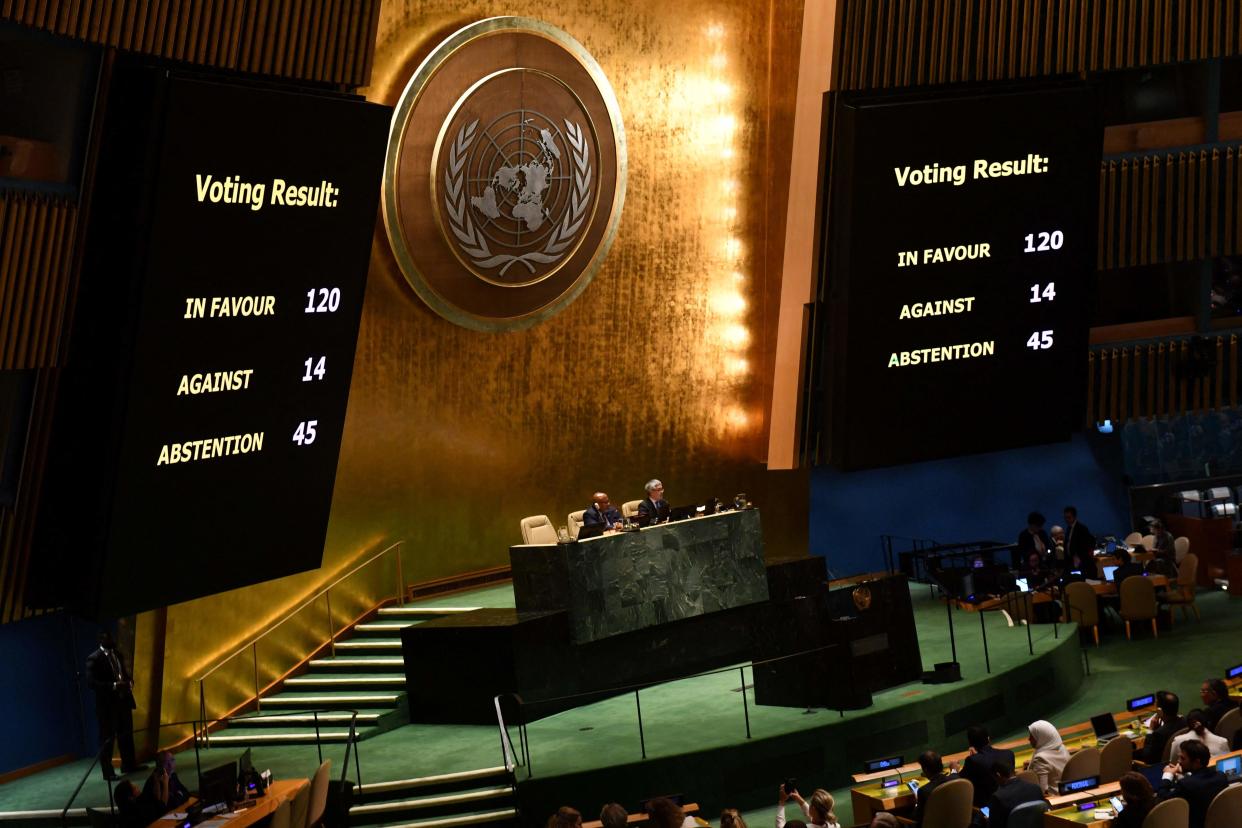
x=1191 y=779
x=1050 y=755
x=601 y=513
x=653 y=505
x=977 y=766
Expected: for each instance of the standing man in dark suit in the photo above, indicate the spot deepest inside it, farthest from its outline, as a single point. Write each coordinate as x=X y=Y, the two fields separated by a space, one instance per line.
x=978 y=765
x=1033 y=539
x=933 y=769
x=1010 y=793
x=654 y=505
x=1164 y=723
x=114 y=704
x=1079 y=542
x=1192 y=780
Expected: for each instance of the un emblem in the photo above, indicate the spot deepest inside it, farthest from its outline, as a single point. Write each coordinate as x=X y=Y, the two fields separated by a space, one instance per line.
x=503 y=218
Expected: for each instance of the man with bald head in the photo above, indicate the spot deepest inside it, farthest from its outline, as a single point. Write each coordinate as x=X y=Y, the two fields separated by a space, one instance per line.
x=601 y=513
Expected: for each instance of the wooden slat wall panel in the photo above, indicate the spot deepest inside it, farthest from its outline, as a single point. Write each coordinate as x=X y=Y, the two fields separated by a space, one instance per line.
x=36 y=246
x=892 y=43
x=1169 y=208
x=1152 y=379
x=324 y=41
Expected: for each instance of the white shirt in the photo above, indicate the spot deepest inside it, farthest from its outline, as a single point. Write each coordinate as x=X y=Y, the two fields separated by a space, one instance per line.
x=1216 y=745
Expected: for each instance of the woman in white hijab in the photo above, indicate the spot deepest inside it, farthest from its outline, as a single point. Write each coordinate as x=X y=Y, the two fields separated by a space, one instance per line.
x=1050 y=755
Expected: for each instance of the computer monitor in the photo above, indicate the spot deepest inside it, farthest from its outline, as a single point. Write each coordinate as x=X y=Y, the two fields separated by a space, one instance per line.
x=1109 y=572
x=592 y=530
x=1231 y=767
x=1023 y=585
x=218 y=784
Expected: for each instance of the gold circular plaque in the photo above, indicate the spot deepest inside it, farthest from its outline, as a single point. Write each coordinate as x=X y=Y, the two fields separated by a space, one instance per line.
x=505 y=174
x=862 y=598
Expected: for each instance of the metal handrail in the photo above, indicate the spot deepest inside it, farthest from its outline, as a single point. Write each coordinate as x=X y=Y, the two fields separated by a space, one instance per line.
x=253 y=644
x=312 y=600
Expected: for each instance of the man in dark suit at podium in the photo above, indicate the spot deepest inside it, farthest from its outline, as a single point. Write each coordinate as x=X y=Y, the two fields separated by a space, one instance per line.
x=654 y=505
x=601 y=513
x=114 y=705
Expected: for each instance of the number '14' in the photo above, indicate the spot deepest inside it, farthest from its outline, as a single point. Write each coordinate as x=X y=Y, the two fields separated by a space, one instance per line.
x=314 y=370
x=1047 y=293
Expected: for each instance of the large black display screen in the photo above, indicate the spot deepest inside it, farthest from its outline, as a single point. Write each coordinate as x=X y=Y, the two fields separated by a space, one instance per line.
x=216 y=338
x=961 y=250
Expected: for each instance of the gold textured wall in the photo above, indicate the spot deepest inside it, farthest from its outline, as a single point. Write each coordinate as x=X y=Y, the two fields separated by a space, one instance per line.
x=661 y=368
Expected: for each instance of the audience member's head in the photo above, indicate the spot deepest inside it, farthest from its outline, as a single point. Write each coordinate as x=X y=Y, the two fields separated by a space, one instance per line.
x=730 y=818
x=126 y=796
x=165 y=761
x=613 y=816
x=1168 y=703
x=977 y=737
x=1002 y=771
x=1035 y=521
x=1193 y=755
x=1071 y=515
x=105 y=640
x=1044 y=736
x=1213 y=691
x=1123 y=557
x=795 y=823
x=884 y=820
x=1136 y=790
x=821 y=804
x=565 y=817
x=1197 y=722
x=931 y=764
x=665 y=813
x=1057 y=534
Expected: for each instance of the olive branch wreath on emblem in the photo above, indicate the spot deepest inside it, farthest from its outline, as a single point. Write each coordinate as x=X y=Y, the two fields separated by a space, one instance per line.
x=474 y=243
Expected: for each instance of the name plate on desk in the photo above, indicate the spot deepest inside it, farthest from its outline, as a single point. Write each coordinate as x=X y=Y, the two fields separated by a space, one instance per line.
x=635 y=580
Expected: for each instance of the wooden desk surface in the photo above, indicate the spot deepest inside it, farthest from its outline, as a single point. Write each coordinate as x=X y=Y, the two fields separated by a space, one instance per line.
x=1071 y=815
x=277 y=793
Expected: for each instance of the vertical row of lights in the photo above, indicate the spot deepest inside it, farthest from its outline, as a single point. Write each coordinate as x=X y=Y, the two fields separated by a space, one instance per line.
x=720 y=146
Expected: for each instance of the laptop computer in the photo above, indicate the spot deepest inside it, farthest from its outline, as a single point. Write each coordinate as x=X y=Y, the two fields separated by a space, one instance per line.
x=593 y=530
x=682 y=513
x=1109 y=572
x=1023 y=585
x=1105 y=727
x=1231 y=767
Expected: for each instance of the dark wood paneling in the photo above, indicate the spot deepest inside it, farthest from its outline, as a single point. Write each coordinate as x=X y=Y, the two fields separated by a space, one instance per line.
x=1162 y=378
x=325 y=41
x=36 y=245
x=892 y=43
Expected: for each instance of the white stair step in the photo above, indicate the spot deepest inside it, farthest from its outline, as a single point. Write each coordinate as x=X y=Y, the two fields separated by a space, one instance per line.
x=370 y=644
x=453 y=821
x=382 y=626
x=423 y=781
x=335 y=681
x=432 y=801
x=351 y=698
x=305 y=718
x=276 y=738
x=372 y=661
x=422 y=612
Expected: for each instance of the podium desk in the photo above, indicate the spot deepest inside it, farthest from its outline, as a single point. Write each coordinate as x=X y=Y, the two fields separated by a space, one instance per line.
x=623 y=582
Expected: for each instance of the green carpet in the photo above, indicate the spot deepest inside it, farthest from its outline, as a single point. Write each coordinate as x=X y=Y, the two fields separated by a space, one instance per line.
x=704 y=715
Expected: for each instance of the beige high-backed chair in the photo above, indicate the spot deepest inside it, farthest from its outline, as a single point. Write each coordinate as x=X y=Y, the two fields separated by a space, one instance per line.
x=300 y=805
x=1082 y=606
x=318 y=795
x=1228 y=726
x=538 y=529
x=575 y=522
x=1115 y=759
x=1149 y=542
x=949 y=805
x=1138 y=602
x=1172 y=813
x=1134 y=538
x=1184 y=594
x=1226 y=809
x=1181 y=546
x=629 y=508
x=1082 y=764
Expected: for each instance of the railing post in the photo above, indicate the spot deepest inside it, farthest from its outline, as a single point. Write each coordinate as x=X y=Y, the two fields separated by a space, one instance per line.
x=318 y=743
x=254 y=652
x=327 y=598
x=741 y=671
x=642 y=740
x=202 y=714
x=400 y=578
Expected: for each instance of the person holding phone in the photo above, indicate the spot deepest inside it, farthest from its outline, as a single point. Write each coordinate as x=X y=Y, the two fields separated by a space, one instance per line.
x=818 y=810
x=1137 y=798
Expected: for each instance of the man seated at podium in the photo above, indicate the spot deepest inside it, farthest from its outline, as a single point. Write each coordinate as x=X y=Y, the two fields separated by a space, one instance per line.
x=601 y=513
x=654 y=505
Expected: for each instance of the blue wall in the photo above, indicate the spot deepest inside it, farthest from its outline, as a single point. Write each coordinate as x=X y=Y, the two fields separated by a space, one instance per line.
x=48 y=714
x=982 y=497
